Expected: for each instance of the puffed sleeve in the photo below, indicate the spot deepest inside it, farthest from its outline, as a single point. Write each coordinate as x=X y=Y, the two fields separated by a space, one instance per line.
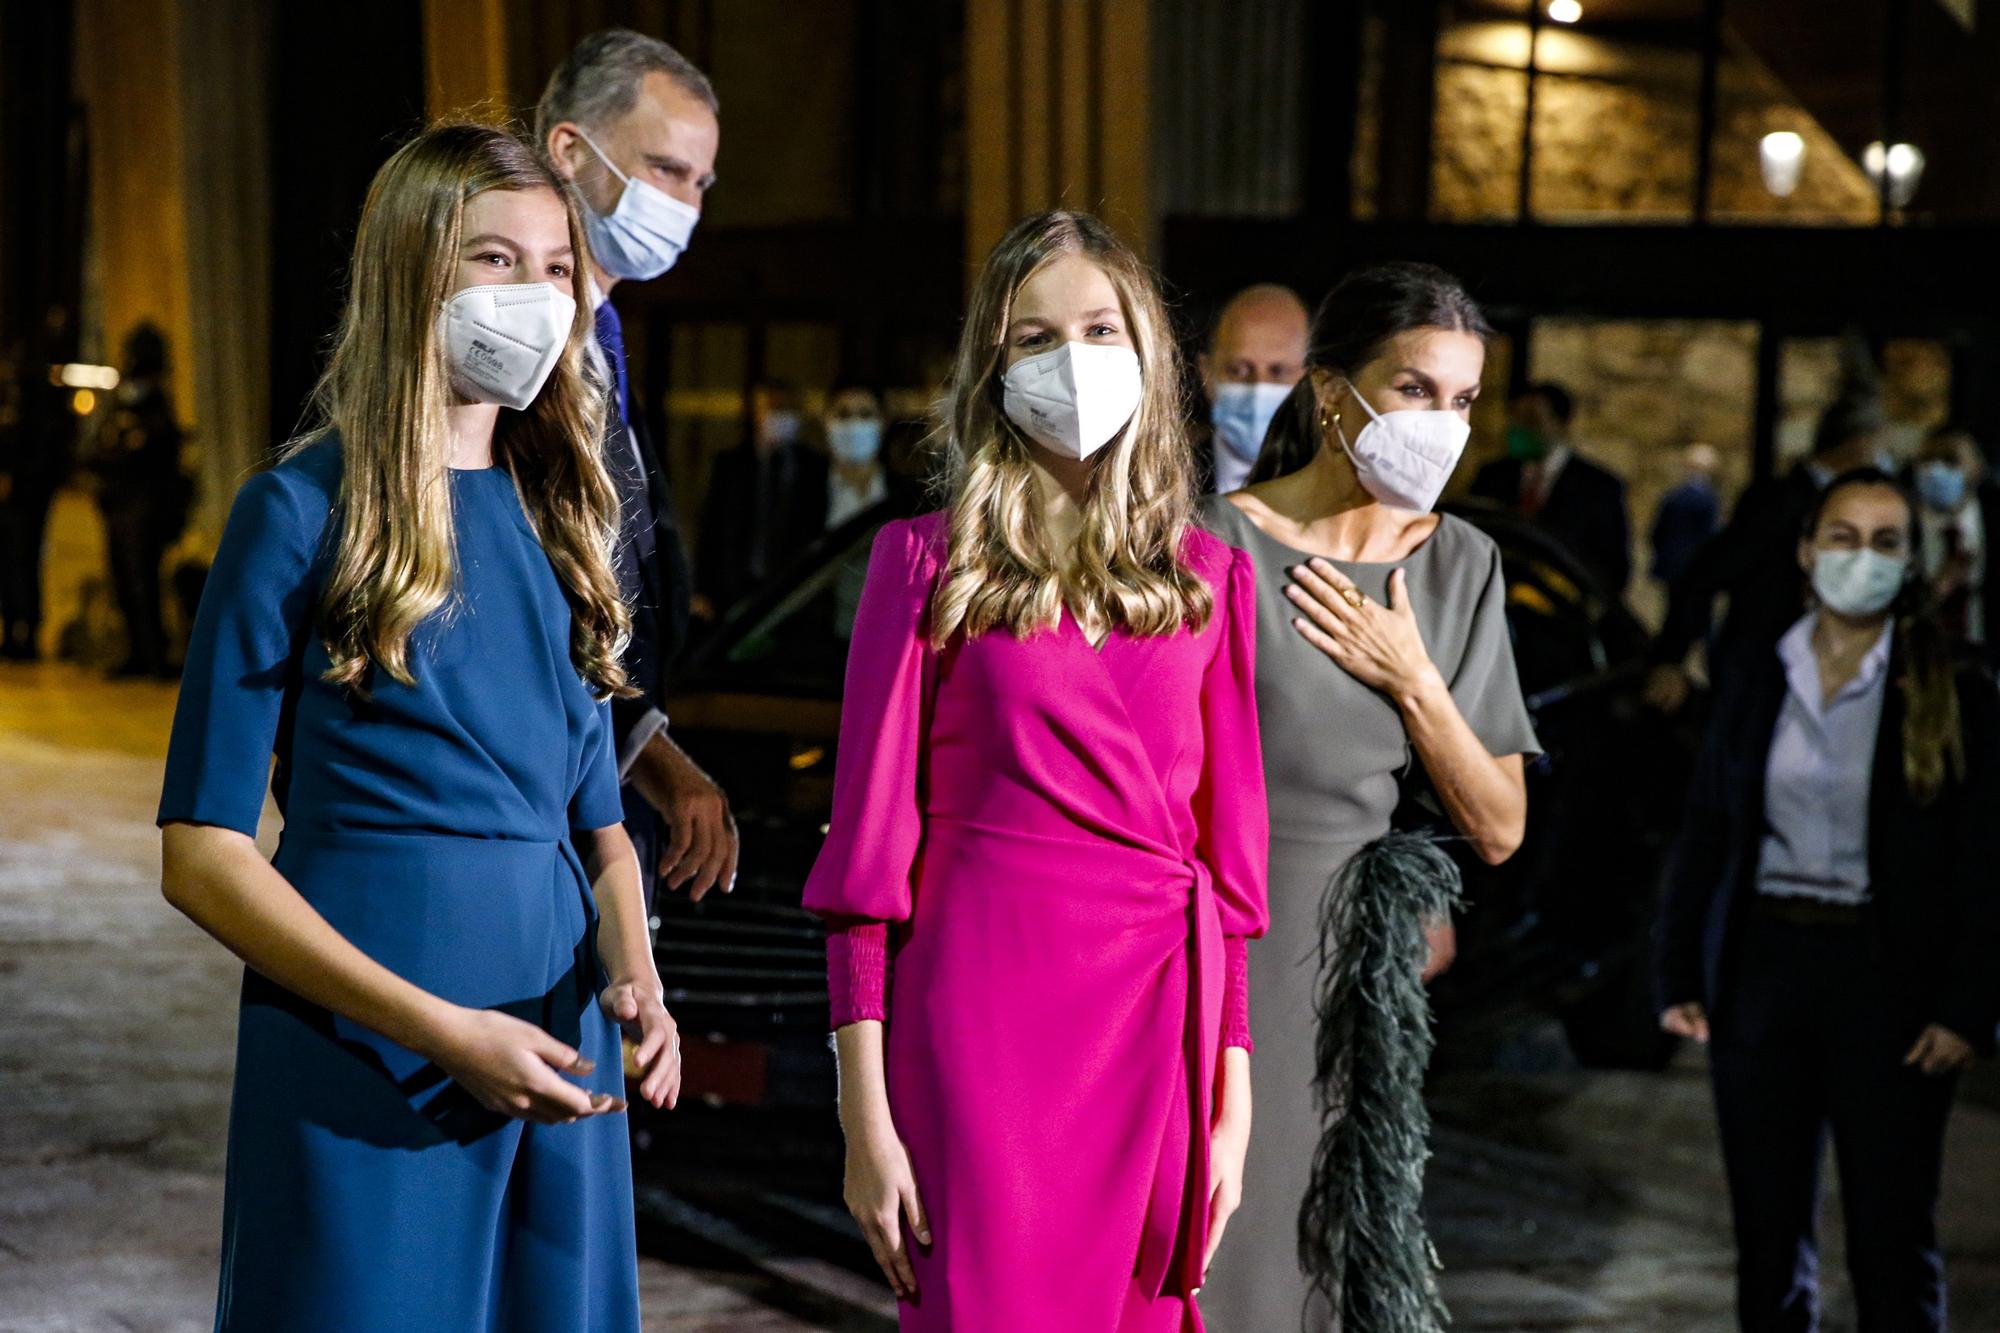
x=596 y=803
x=1233 y=822
x=1486 y=686
x=861 y=881
x=249 y=632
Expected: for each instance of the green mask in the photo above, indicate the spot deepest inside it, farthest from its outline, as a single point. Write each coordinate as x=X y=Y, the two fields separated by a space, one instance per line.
x=1526 y=443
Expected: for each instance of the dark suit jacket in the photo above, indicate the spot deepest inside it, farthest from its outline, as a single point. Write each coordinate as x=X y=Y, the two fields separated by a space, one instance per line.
x=1755 y=560
x=1936 y=913
x=1585 y=509
x=793 y=514
x=651 y=563
x=1988 y=500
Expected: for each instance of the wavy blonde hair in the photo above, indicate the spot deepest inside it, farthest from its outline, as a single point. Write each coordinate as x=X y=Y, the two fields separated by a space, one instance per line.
x=1001 y=571
x=387 y=390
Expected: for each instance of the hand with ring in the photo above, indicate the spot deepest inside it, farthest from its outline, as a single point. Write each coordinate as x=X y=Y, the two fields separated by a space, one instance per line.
x=1380 y=646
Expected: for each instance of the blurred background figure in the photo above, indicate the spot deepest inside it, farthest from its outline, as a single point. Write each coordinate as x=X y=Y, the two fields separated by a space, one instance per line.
x=32 y=458
x=135 y=461
x=766 y=501
x=1958 y=505
x=1255 y=354
x=1688 y=514
x=856 y=475
x=1831 y=921
x=1753 y=558
x=1544 y=479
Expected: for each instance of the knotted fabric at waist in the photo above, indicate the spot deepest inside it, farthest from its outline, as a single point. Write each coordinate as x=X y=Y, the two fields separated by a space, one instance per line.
x=1102 y=885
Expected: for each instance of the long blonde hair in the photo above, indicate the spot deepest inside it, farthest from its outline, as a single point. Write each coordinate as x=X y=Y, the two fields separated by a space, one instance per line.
x=1126 y=568
x=386 y=391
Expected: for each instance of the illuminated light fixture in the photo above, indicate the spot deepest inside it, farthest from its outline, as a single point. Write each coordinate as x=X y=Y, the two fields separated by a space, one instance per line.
x=77 y=375
x=1904 y=165
x=83 y=402
x=1565 y=11
x=1781 y=156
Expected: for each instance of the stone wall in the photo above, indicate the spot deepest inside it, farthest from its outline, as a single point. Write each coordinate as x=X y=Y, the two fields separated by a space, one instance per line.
x=1615 y=130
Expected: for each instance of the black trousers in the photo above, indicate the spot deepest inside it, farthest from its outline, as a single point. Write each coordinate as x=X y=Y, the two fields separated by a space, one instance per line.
x=1804 y=1046
x=24 y=522
x=135 y=537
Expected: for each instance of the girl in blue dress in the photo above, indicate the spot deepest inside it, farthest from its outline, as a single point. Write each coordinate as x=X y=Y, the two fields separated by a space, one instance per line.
x=415 y=612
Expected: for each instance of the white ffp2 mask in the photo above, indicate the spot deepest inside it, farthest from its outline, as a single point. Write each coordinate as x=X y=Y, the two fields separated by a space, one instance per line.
x=644 y=234
x=1072 y=399
x=1405 y=458
x=502 y=339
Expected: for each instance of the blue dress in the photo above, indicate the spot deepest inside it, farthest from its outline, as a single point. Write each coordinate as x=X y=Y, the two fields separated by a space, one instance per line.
x=430 y=824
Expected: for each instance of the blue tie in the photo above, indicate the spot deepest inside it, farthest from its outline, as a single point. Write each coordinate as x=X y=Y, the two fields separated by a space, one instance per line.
x=611 y=340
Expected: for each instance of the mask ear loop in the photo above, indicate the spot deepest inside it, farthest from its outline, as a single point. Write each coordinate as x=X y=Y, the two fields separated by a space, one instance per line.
x=609 y=165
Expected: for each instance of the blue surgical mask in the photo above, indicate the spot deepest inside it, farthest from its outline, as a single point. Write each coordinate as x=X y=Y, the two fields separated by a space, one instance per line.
x=1858 y=582
x=854 y=439
x=1242 y=413
x=1940 y=485
x=644 y=234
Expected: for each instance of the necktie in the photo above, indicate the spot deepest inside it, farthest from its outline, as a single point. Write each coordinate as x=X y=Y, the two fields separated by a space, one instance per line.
x=611 y=341
x=1533 y=478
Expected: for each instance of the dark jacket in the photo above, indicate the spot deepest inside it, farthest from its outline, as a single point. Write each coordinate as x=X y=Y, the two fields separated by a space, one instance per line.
x=760 y=514
x=1686 y=518
x=1755 y=560
x=1585 y=510
x=652 y=568
x=1988 y=500
x=1936 y=900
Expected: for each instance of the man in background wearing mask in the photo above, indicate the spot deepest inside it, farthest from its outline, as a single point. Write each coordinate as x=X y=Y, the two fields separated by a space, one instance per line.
x=1687 y=516
x=633 y=124
x=766 y=501
x=1957 y=510
x=1754 y=558
x=1543 y=479
x=856 y=478
x=1255 y=354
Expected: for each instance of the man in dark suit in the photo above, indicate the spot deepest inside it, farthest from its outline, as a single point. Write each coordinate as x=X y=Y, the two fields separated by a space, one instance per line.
x=1958 y=519
x=766 y=502
x=634 y=125
x=1754 y=559
x=1544 y=478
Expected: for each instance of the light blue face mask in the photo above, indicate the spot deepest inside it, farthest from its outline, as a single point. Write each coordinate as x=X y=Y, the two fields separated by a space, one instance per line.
x=854 y=439
x=1940 y=485
x=1859 y=582
x=645 y=234
x=1242 y=413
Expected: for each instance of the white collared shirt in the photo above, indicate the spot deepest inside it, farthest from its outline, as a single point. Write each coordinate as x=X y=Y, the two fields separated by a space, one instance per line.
x=1818 y=775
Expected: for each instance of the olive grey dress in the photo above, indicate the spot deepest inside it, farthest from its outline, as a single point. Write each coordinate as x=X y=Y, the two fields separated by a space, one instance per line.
x=1334 y=754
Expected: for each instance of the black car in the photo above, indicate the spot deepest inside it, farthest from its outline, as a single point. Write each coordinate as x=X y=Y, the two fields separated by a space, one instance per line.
x=1562 y=926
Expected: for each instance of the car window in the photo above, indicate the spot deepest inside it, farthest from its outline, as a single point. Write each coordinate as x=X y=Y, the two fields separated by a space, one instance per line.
x=798 y=644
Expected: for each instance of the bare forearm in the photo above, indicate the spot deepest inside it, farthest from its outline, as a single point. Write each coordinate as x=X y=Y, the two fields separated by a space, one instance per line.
x=224 y=885
x=1485 y=796
x=1232 y=1101
x=623 y=940
x=864 y=1086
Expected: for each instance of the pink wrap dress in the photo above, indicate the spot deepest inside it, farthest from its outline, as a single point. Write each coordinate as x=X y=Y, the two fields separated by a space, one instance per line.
x=1043 y=865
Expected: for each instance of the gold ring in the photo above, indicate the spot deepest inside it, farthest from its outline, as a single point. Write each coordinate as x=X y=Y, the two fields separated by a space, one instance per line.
x=1354 y=597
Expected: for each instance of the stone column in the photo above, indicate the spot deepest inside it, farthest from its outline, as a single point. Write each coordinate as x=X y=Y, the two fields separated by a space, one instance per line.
x=1058 y=114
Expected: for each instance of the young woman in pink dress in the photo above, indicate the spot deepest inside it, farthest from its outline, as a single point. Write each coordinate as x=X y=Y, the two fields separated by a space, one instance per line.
x=1048 y=838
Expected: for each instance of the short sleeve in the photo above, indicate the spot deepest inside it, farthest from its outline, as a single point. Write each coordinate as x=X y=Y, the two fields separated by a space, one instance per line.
x=249 y=631
x=596 y=803
x=861 y=880
x=1231 y=817
x=1486 y=687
